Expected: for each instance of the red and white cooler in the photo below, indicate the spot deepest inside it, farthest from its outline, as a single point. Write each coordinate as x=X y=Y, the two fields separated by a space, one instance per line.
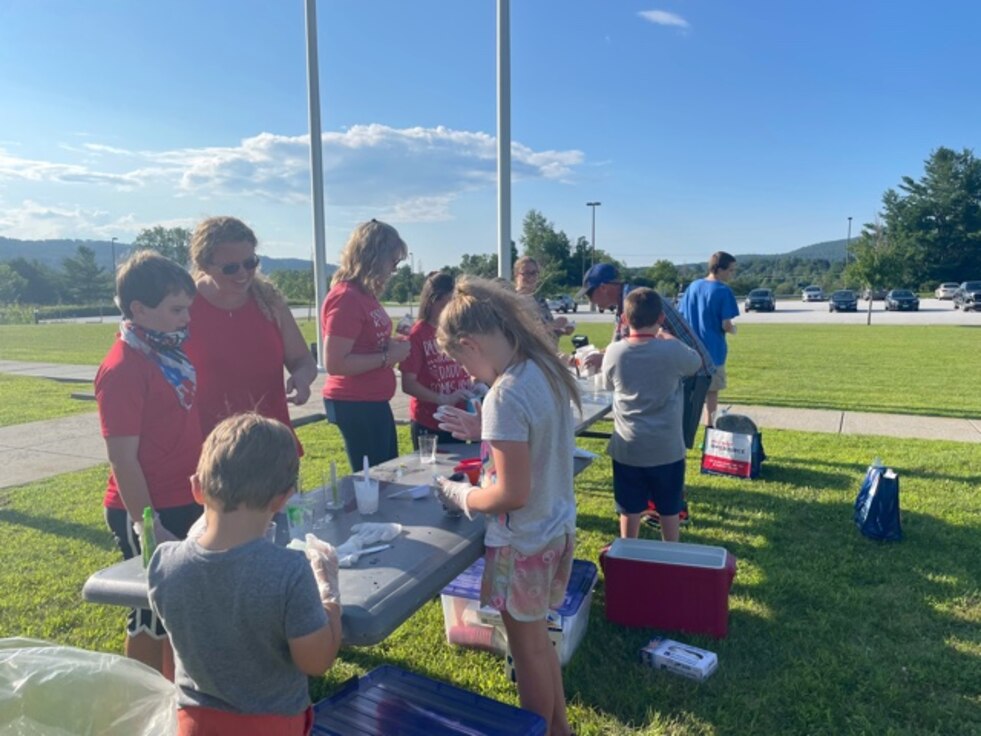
x=668 y=585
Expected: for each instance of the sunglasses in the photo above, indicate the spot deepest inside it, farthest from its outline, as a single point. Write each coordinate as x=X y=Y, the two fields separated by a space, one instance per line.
x=249 y=264
x=528 y=274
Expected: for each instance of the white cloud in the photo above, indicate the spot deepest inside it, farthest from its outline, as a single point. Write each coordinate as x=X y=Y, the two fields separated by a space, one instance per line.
x=413 y=173
x=32 y=220
x=664 y=18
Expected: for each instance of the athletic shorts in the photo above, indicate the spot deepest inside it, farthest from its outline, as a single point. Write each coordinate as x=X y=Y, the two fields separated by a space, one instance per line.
x=718 y=379
x=633 y=486
x=178 y=521
x=527 y=586
x=199 y=721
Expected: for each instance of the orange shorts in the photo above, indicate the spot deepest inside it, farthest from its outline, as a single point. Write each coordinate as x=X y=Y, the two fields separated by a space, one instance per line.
x=197 y=721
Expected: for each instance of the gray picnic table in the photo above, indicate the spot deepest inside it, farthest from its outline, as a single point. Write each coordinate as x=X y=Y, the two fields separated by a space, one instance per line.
x=382 y=590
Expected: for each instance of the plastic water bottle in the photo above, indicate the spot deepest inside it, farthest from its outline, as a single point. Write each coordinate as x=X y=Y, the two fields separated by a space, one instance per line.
x=149 y=541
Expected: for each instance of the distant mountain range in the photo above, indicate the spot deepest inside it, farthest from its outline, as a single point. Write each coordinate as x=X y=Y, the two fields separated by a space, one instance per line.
x=52 y=252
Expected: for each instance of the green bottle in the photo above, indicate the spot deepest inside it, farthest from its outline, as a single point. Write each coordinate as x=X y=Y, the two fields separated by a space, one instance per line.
x=149 y=543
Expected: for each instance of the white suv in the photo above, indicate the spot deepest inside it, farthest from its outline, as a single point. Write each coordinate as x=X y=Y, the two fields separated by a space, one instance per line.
x=812 y=294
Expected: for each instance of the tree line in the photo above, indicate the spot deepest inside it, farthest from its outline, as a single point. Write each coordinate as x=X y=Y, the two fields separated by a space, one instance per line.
x=928 y=232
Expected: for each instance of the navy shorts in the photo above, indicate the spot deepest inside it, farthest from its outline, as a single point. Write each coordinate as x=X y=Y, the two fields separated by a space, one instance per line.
x=178 y=521
x=634 y=486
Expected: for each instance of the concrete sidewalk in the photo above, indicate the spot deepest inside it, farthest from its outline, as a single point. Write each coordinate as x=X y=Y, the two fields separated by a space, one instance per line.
x=38 y=450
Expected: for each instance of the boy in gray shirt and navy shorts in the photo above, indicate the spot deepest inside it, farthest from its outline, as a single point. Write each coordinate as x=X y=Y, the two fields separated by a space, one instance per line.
x=647 y=446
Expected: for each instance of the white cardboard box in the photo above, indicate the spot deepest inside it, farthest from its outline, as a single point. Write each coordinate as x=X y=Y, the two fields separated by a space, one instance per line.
x=682 y=659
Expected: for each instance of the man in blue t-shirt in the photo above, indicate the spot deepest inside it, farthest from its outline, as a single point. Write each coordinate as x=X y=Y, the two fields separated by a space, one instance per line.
x=709 y=307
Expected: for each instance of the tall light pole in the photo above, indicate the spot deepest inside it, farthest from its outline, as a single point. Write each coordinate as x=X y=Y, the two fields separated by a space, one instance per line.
x=504 y=139
x=112 y=244
x=592 y=242
x=316 y=167
x=848 y=241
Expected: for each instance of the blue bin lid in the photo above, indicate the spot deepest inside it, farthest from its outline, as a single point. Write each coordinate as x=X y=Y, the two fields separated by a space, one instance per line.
x=581 y=582
x=390 y=700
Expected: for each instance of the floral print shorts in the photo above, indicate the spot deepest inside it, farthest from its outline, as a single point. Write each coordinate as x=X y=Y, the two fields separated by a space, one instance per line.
x=527 y=586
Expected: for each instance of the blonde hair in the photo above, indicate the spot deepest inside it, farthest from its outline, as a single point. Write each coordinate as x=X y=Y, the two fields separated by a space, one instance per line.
x=482 y=307
x=214 y=231
x=364 y=259
x=248 y=460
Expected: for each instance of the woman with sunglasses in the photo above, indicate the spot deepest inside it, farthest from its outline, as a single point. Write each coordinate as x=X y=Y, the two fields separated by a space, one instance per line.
x=242 y=330
x=360 y=352
x=430 y=376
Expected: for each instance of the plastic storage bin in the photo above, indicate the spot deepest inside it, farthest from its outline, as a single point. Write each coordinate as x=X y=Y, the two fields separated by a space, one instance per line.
x=668 y=585
x=389 y=700
x=467 y=623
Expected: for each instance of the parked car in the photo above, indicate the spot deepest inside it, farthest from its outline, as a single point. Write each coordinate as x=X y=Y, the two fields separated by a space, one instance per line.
x=843 y=300
x=946 y=290
x=761 y=300
x=563 y=303
x=902 y=300
x=812 y=294
x=968 y=296
x=874 y=294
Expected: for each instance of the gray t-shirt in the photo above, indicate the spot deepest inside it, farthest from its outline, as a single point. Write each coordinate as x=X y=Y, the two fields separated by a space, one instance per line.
x=647 y=399
x=521 y=407
x=230 y=614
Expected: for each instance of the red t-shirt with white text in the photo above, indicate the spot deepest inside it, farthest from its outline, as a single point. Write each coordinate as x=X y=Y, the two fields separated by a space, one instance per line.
x=434 y=370
x=356 y=315
x=135 y=400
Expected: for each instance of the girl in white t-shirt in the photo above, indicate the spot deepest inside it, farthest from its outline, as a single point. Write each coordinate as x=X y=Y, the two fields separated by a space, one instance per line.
x=527 y=492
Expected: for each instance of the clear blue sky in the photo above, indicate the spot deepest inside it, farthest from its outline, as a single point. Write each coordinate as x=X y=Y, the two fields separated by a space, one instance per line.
x=753 y=126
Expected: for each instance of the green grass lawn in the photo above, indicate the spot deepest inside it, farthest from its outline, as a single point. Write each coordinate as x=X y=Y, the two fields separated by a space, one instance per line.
x=829 y=633
x=25 y=399
x=883 y=368
x=924 y=370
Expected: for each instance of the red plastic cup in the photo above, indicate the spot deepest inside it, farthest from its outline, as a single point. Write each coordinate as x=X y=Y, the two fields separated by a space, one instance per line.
x=471 y=468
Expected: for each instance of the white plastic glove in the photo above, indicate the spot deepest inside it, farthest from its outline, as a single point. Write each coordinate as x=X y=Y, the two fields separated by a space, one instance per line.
x=323 y=562
x=160 y=532
x=454 y=494
x=371 y=532
x=198 y=527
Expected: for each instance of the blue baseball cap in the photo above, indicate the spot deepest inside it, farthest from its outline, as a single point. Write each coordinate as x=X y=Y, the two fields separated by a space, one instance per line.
x=597 y=275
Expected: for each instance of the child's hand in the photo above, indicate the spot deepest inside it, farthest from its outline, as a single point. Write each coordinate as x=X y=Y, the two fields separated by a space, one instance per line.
x=323 y=562
x=160 y=532
x=454 y=494
x=461 y=424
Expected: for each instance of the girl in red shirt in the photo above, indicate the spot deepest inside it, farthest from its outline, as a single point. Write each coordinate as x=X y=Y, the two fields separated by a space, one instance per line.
x=360 y=352
x=430 y=376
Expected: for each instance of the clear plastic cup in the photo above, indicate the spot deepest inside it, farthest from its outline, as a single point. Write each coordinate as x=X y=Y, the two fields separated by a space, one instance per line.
x=427 y=449
x=366 y=496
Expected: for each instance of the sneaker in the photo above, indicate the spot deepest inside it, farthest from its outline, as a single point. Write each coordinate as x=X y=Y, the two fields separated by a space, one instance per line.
x=653 y=519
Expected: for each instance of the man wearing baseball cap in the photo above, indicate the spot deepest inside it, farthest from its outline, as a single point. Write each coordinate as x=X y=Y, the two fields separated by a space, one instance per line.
x=602 y=286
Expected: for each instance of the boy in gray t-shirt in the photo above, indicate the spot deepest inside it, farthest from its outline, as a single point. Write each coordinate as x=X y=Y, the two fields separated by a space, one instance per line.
x=247 y=619
x=647 y=445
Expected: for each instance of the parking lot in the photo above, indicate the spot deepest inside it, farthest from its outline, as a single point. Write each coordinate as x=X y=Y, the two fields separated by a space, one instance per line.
x=932 y=312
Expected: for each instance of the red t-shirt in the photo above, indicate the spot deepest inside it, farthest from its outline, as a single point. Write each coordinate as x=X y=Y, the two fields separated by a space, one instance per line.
x=239 y=358
x=434 y=370
x=135 y=400
x=355 y=314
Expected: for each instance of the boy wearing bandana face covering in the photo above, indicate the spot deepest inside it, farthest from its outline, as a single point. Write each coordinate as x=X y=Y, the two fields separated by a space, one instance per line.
x=145 y=390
